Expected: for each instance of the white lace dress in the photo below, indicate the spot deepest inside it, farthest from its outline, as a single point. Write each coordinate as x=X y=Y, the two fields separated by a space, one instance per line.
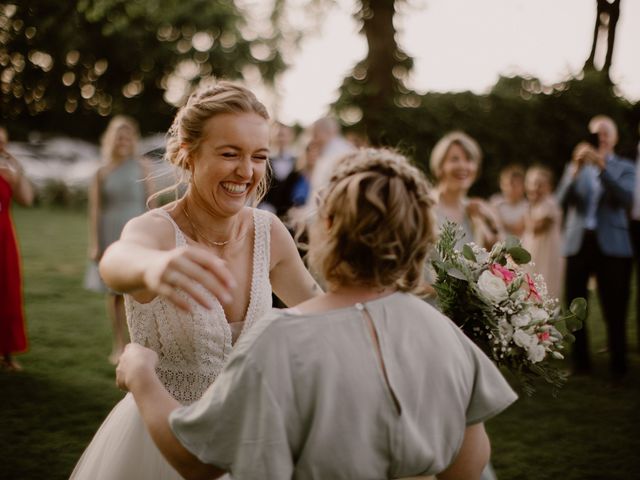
x=192 y=349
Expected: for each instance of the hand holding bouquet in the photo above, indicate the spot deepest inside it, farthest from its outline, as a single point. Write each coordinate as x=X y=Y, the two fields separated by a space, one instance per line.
x=504 y=309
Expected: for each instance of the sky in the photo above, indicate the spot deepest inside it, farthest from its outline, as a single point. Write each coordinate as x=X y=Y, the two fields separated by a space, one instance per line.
x=460 y=45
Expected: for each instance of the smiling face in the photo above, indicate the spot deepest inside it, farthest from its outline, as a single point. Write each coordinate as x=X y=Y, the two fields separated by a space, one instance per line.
x=124 y=142
x=458 y=170
x=230 y=161
x=537 y=184
x=512 y=187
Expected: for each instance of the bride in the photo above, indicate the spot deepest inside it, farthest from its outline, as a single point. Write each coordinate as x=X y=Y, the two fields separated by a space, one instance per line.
x=199 y=272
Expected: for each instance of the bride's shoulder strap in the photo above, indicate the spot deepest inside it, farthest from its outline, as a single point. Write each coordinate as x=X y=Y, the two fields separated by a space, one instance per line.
x=161 y=212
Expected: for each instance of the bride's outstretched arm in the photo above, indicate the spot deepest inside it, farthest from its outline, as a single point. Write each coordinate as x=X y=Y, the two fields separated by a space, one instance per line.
x=136 y=373
x=146 y=263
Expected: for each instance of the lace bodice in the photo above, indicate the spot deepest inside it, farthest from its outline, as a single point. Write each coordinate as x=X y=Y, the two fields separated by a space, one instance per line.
x=193 y=347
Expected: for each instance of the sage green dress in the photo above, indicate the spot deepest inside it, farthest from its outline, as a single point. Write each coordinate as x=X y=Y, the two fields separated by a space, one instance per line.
x=305 y=397
x=122 y=196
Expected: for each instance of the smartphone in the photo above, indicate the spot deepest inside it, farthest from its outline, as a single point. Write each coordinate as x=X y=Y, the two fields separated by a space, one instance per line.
x=592 y=139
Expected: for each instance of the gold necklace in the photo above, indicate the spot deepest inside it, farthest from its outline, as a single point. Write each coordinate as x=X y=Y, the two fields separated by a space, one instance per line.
x=203 y=237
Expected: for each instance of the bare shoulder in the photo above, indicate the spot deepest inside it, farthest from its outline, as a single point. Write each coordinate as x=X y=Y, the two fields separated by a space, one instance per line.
x=151 y=229
x=282 y=242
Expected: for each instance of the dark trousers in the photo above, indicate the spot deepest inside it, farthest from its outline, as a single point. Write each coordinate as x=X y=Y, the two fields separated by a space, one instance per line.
x=634 y=229
x=613 y=275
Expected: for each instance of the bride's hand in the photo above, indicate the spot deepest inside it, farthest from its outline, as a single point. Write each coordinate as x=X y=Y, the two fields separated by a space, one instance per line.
x=135 y=364
x=194 y=270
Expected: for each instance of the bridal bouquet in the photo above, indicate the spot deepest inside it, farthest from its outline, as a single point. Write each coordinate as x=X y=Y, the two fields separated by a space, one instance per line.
x=504 y=309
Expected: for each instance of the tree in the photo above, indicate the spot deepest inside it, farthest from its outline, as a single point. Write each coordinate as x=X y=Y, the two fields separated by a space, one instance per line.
x=376 y=87
x=64 y=66
x=607 y=15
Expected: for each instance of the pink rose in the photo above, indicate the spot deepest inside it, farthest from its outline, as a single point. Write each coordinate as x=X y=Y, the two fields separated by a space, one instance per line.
x=532 y=288
x=544 y=336
x=502 y=272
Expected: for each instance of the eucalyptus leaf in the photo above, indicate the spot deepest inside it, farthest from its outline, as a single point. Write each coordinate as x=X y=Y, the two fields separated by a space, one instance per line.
x=511 y=242
x=455 y=273
x=573 y=324
x=519 y=255
x=579 y=308
x=467 y=252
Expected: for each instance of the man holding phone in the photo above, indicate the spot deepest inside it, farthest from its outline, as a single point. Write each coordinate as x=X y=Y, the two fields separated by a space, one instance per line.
x=597 y=191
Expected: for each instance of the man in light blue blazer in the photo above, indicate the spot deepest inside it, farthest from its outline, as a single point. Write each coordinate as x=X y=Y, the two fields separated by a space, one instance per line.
x=597 y=191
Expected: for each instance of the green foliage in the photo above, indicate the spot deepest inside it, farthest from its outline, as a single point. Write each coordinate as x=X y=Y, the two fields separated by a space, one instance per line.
x=495 y=323
x=519 y=255
x=519 y=121
x=56 y=193
x=68 y=64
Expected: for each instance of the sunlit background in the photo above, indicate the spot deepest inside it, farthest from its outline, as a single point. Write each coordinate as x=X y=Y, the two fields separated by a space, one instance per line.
x=66 y=67
x=462 y=45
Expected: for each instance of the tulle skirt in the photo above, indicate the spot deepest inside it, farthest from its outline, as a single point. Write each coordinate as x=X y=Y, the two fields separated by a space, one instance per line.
x=122 y=449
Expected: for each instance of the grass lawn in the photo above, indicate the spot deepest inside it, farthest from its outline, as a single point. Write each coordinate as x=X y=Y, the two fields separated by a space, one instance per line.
x=49 y=412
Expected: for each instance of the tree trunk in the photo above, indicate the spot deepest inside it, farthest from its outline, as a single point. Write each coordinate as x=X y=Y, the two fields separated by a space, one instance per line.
x=609 y=10
x=377 y=24
x=588 y=65
x=614 y=15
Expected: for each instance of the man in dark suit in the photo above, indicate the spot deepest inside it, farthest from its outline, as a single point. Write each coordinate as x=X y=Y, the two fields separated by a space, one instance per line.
x=279 y=197
x=597 y=190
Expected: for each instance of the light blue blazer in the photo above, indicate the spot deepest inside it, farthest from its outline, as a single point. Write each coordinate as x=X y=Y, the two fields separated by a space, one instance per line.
x=612 y=232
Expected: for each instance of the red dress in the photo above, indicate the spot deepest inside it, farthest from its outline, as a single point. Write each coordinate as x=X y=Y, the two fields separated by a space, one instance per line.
x=12 y=333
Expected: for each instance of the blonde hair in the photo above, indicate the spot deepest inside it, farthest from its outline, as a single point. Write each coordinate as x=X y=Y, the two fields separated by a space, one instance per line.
x=543 y=171
x=108 y=140
x=380 y=223
x=440 y=150
x=186 y=132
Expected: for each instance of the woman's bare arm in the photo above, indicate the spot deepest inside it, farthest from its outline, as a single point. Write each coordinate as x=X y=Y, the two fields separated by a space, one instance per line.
x=290 y=279
x=146 y=263
x=472 y=457
x=136 y=373
x=13 y=172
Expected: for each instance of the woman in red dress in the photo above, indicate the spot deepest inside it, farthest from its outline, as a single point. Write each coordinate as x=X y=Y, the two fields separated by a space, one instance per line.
x=13 y=185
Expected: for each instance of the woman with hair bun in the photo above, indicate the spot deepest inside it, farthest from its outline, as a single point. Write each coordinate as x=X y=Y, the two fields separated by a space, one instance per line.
x=366 y=381
x=199 y=272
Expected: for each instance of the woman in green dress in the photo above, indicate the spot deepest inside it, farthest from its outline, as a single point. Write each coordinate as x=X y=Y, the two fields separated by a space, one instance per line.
x=117 y=193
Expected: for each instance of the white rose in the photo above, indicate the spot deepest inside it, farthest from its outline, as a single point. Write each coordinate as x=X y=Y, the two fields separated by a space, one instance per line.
x=492 y=287
x=535 y=353
x=523 y=339
x=520 y=320
x=538 y=314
